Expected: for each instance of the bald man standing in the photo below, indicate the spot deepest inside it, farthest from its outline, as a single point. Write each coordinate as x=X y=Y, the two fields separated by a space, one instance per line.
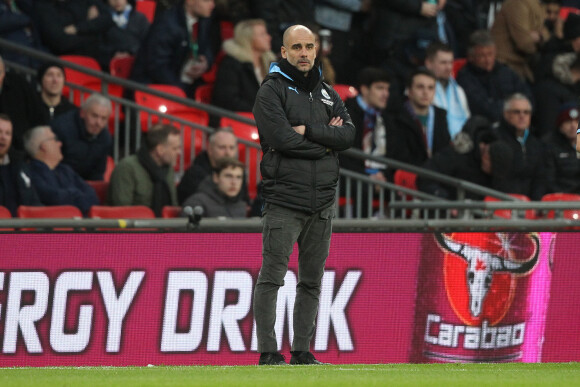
x=302 y=124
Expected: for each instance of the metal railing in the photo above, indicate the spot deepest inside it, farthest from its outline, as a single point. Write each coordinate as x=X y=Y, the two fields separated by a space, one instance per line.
x=393 y=201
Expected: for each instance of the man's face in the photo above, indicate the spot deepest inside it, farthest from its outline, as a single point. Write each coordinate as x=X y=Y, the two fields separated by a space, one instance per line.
x=300 y=49
x=261 y=40
x=229 y=181
x=53 y=81
x=118 y=5
x=483 y=57
x=441 y=65
x=519 y=114
x=485 y=158
x=223 y=144
x=201 y=8
x=5 y=136
x=51 y=146
x=422 y=91
x=552 y=12
x=96 y=117
x=170 y=151
x=568 y=129
x=376 y=95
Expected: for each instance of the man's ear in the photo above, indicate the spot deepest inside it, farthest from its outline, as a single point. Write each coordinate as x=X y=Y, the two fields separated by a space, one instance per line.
x=215 y=177
x=283 y=52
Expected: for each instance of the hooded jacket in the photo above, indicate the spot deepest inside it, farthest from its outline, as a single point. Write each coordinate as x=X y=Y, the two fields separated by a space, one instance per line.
x=300 y=171
x=215 y=203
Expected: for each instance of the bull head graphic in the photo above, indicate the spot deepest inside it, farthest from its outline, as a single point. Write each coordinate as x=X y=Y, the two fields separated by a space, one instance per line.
x=482 y=264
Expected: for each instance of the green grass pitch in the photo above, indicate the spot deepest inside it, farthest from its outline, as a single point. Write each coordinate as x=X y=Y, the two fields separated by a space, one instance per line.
x=514 y=374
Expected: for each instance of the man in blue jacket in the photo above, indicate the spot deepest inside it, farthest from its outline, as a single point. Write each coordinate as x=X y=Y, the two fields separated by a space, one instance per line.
x=302 y=124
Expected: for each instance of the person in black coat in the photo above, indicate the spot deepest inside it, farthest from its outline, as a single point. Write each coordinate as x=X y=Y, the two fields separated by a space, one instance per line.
x=16 y=187
x=73 y=27
x=17 y=26
x=176 y=53
x=19 y=101
x=486 y=82
x=125 y=36
x=562 y=87
x=243 y=68
x=373 y=130
x=420 y=128
x=86 y=141
x=529 y=172
x=51 y=78
x=563 y=166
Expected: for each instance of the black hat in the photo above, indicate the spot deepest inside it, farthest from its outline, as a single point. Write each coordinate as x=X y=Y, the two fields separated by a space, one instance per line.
x=572 y=27
x=44 y=68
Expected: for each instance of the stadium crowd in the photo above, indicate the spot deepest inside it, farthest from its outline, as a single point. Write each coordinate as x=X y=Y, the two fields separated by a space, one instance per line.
x=486 y=91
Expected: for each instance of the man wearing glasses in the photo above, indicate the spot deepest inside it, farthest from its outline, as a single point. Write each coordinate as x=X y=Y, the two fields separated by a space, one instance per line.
x=529 y=168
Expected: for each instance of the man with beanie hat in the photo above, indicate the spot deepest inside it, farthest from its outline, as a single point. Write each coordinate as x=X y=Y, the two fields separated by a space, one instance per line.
x=563 y=166
x=51 y=79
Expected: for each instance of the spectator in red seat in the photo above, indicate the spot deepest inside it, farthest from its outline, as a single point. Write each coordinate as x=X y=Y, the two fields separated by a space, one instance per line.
x=242 y=70
x=85 y=137
x=563 y=166
x=221 y=143
x=529 y=173
x=55 y=182
x=16 y=187
x=420 y=128
x=51 y=79
x=73 y=27
x=220 y=194
x=19 y=101
x=126 y=35
x=180 y=46
x=147 y=178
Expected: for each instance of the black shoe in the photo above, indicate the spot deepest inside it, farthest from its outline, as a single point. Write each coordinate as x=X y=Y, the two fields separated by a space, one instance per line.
x=299 y=357
x=271 y=358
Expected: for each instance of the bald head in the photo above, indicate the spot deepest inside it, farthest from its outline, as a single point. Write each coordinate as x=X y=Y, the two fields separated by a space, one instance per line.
x=299 y=47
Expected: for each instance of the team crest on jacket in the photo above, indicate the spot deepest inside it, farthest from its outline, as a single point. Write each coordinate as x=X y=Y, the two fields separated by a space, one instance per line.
x=326 y=101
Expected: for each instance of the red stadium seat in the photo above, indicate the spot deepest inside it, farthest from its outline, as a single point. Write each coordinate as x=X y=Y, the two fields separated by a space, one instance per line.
x=405 y=179
x=203 y=93
x=170 y=212
x=109 y=169
x=345 y=91
x=79 y=78
x=54 y=212
x=121 y=212
x=62 y=212
x=249 y=133
x=506 y=213
x=147 y=8
x=177 y=110
x=562 y=197
x=5 y=213
x=565 y=11
x=101 y=187
x=226 y=30
x=458 y=65
x=121 y=67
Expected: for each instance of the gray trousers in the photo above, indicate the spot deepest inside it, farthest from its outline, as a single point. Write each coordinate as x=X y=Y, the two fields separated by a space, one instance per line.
x=282 y=227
